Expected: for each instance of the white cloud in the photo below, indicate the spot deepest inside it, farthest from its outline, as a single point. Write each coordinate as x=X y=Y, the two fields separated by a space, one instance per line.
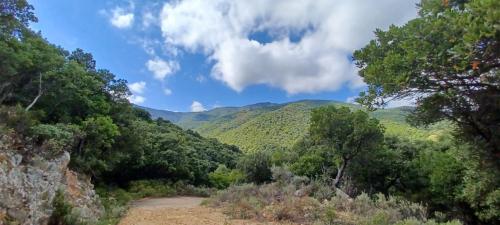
x=329 y=31
x=148 y=19
x=121 y=18
x=167 y=91
x=136 y=99
x=351 y=100
x=137 y=87
x=161 y=68
x=197 y=107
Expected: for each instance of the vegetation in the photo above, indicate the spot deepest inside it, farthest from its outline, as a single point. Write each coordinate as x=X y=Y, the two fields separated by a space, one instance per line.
x=63 y=212
x=59 y=101
x=448 y=57
x=351 y=166
x=291 y=198
x=270 y=126
x=346 y=134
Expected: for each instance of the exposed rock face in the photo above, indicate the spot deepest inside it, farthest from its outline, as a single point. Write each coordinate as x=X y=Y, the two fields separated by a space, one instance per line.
x=28 y=185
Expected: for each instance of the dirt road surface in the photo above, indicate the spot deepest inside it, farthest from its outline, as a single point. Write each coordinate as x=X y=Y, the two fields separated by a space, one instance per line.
x=178 y=211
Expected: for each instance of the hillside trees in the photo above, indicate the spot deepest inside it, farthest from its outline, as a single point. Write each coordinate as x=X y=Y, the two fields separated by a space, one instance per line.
x=347 y=134
x=84 y=110
x=448 y=59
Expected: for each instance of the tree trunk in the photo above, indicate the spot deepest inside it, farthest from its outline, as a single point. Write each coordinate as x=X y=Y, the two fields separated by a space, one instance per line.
x=340 y=173
x=38 y=96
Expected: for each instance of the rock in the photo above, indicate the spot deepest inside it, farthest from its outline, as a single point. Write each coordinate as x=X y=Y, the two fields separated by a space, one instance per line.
x=28 y=187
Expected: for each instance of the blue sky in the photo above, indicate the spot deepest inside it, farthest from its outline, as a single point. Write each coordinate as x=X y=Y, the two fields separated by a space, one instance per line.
x=195 y=55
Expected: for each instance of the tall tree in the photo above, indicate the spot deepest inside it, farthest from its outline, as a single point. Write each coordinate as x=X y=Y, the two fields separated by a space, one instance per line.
x=447 y=58
x=14 y=17
x=346 y=133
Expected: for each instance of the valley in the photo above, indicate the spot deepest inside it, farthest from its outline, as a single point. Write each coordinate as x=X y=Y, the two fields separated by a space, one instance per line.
x=270 y=125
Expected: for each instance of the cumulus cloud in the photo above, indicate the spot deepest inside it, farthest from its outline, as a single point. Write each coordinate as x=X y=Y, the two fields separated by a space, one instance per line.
x=137 y=87
x=121 y=18
x=136 y=99
x=318 y=60
x=197 y=107
x=161 y=68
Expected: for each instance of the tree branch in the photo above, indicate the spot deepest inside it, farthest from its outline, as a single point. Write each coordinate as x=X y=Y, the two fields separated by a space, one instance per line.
x=38 y=96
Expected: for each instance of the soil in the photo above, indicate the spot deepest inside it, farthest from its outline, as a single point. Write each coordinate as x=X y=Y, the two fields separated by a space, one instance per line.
x=179 y=211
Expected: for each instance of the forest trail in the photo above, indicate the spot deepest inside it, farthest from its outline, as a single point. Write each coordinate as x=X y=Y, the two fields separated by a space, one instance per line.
x=179 y=211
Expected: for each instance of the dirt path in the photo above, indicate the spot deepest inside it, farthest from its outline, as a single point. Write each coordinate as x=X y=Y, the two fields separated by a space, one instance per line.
x=178 y=211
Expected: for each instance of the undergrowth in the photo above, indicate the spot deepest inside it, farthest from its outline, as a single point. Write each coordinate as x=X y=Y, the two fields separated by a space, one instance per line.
x=297 y=200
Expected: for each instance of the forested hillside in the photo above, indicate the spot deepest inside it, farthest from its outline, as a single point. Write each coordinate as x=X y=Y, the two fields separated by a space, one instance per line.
x=267 y=125
x=54 y=102
x=63 y=121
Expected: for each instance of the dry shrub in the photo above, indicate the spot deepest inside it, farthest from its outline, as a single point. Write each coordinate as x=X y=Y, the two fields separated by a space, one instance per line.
x=294 y=209
x=298 y=200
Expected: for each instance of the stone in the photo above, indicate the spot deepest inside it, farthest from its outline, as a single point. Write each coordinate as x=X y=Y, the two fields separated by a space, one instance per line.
x=28 y=188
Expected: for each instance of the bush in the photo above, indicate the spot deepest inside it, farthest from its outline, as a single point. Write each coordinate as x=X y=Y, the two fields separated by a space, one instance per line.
x=294 y=209
x=62 y=213
x=256 y=167
x=150 y=188
x=283 y=201
x=54 y=138
x=222 y=177
x=17 y=118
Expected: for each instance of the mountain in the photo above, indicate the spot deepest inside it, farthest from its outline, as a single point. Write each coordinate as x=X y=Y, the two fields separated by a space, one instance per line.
x=270 y=125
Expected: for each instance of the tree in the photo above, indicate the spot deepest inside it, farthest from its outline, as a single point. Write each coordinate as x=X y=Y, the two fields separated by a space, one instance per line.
x=14 y=17
x=448 y=60
x=256 y=166
x=346 y=133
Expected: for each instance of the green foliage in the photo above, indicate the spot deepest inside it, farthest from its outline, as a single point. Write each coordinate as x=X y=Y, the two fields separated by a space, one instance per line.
x=277 y=126
x=55 y=138
x=62 y=213
x=15 y=16
x=448 y=57
x=256 y=166
x=345 y=134
x=17 y=119
x=279 y=201
x=223 y=177
x=84 y=110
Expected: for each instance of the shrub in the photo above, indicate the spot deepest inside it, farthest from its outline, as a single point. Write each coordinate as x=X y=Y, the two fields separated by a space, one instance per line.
x=279 y=201
x=54 y=138
x=222 y=177
x=256 y=167
x=17 y=118
x=294 y=209
x=150 y=188
x=62 y=213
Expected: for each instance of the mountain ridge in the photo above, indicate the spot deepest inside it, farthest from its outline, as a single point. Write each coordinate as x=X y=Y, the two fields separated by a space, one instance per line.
x=276 y=125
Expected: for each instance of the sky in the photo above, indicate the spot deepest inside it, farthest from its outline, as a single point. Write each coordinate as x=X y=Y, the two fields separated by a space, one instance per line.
x=196 y=55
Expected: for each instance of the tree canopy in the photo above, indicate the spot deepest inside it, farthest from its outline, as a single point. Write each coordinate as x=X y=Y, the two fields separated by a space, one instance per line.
x=346 y=133
x=448 y=60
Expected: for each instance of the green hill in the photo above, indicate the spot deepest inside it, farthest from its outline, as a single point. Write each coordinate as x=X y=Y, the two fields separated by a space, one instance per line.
x=270 y=125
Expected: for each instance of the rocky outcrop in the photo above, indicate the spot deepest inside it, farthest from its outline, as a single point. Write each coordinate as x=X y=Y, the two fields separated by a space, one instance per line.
x=29 y=182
